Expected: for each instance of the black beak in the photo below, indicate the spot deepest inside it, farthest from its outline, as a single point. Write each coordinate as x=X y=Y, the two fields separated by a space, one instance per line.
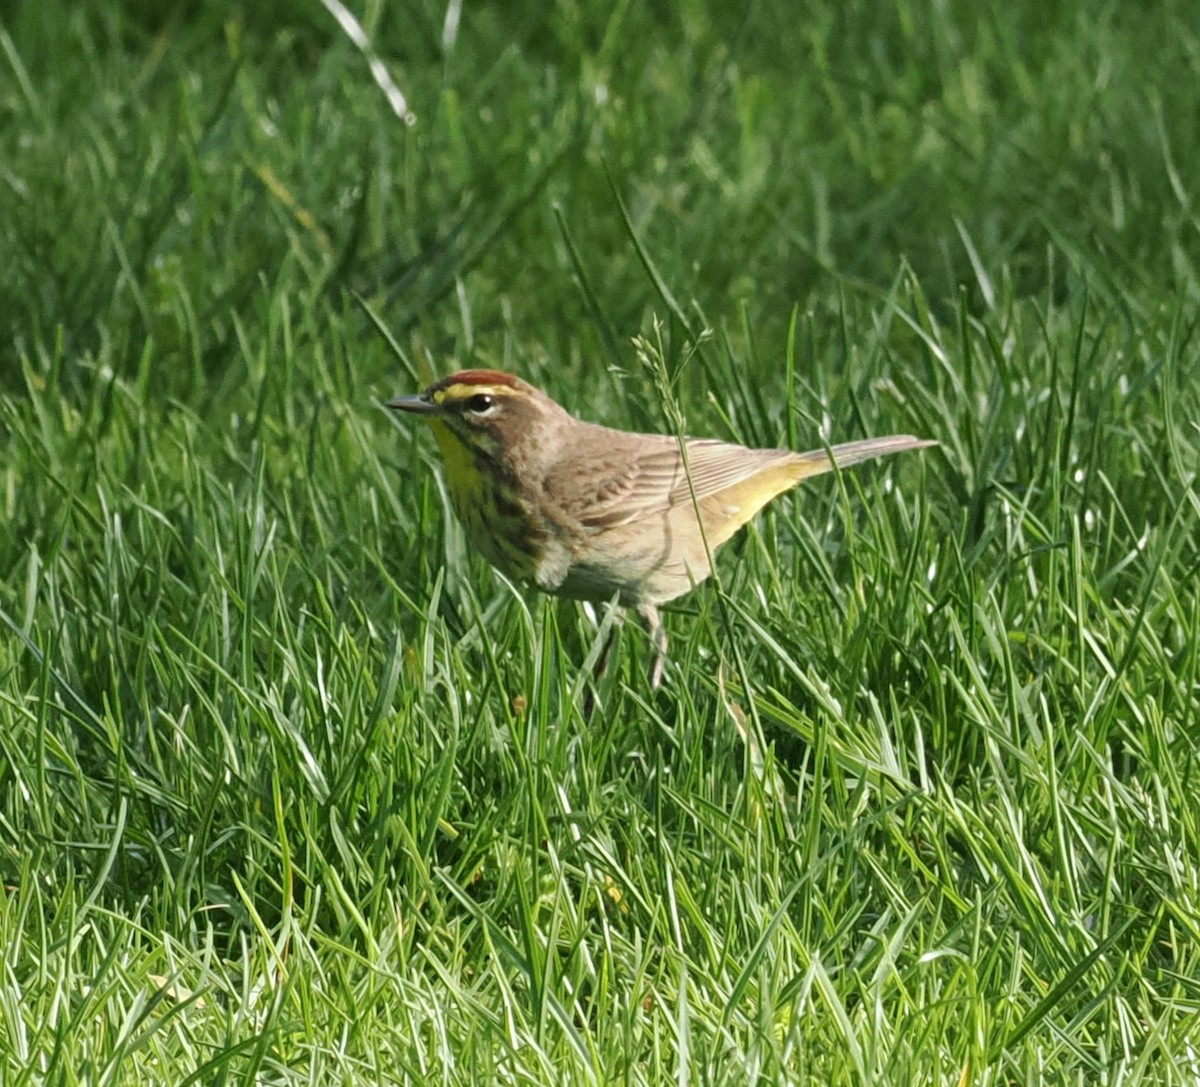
x=417 y=404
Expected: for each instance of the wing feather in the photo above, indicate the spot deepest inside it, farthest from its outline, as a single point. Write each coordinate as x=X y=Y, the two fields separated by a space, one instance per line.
x=646 y=476
x=643 y=475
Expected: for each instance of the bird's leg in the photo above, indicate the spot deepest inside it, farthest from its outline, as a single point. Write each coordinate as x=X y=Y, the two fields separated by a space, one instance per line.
x=658 y=636
x=613 y=620
x=602 y=663
x=589 y=696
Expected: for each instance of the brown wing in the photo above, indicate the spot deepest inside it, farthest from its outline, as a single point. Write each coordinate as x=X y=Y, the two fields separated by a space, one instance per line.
x=643 y=474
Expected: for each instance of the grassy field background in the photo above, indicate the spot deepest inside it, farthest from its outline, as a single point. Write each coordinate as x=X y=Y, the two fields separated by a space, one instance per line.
x=293 y=789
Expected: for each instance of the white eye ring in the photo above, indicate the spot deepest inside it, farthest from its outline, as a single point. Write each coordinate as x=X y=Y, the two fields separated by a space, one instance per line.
x=481 y=405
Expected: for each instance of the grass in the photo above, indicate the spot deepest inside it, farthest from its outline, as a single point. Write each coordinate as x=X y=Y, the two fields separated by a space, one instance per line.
x=293 y=789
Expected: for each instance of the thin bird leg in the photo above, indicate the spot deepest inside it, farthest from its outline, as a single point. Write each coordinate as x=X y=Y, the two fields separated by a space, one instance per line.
x=658 y=636
x=602 y=663
x=589 y=696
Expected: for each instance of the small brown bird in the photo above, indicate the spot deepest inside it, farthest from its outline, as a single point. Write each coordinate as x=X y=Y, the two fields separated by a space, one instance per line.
x=589 y=512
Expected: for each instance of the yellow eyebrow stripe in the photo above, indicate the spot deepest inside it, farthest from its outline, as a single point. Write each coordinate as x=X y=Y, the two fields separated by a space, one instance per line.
x=454 y=393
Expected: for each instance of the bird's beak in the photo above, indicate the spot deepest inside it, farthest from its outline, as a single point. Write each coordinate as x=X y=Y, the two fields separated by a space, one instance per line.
x=416 y=404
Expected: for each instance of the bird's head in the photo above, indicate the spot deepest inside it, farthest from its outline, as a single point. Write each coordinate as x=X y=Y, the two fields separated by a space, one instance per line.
x=488 y=414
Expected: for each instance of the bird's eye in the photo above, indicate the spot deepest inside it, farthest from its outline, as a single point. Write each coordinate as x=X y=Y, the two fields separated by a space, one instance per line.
x=481 y=404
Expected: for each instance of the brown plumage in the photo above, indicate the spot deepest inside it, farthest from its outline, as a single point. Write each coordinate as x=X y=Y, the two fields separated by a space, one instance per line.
x=590 y=512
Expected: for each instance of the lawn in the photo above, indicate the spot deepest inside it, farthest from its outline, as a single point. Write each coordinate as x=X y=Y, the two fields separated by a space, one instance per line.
x=295 y=789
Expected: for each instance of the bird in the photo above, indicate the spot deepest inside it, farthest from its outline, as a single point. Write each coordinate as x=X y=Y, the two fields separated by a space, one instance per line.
x=594 y=513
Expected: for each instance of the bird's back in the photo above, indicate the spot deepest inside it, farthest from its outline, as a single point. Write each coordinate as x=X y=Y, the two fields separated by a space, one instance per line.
x=641 y=536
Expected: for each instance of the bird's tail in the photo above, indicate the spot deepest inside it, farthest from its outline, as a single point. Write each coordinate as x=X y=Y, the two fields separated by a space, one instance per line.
x=816 y=461
x=732 y=506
